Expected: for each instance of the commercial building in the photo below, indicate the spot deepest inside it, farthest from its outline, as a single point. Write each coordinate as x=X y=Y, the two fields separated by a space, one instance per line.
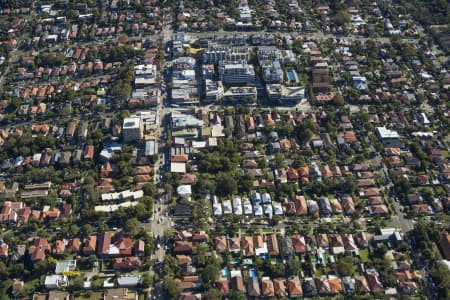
x=386 y=134
x=184 y=63
x=236 y=73
x=278 y=92
x=217 y=53
x=267 y=53
x=321 y=77
x=213 y=90
x=144 y=75
x=132 y=129
x=180 y=121
x=272 y=72
x=247 y=94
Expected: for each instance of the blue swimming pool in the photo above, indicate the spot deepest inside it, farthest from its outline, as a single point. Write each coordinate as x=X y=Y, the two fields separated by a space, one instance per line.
x=247 y=261
x=290 y=75
x=225 y=272
x=235 y=262
x=252 y=273
x=323 y=258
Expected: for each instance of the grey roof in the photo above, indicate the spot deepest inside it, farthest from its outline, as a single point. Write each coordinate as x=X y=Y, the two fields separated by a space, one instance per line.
x=128 y=280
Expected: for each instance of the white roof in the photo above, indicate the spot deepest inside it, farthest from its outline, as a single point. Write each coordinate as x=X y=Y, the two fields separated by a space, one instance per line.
x=278 y=209
x=217 y=131
x=424 y=118
x=55 y=280
x=188 y=73
x=217 y=209
x=248 y=210
x=262 y=250
x=129 y=280
x=184 y=190
x=113 y=249
x=123 y=195
x=235 y=273
x=422 y=134
x=131 y=123
x=106 y=153
x=237 y=204
x=387 y=231
x=268 y=209
x=227 y=207
x=198 y=144
x=258 y=210
x=108 y=283
x=177 y=167
x=151 y=147
x=387 y=133
x=114 y=207
x=266 y=198
x=212 y=142
x=256 y=196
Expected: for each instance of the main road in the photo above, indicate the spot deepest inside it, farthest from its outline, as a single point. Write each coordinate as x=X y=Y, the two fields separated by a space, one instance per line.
x=319 y=35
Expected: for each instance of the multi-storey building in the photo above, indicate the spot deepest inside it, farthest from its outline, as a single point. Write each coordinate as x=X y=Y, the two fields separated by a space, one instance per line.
x=217 y=53
x=132 y=129
x=236 y=73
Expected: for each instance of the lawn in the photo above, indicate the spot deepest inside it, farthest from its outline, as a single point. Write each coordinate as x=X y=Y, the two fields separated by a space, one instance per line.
x=90 y=295
x=98 y=282
x=31 y=286
x=4 y=289
x=364 y=254
x=142 y=296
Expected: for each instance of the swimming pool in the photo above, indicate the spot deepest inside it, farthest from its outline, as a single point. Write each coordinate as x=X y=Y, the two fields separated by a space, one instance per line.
x=290 y=75
x=235 y=262
x=247 y=261
x=252 y=273
x=322 y=258
x=225 y=272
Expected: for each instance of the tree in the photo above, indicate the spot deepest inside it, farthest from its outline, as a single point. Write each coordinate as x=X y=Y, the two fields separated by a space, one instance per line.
x=132 y=226
x=277 y=270
x=246 y=183
x=306 y=130
x=172 y=287
x=341 y=18
x=3 y=271
x=344 y=266
x=169 y=190
x=146 y=280
x=212 y=294
x=294 y=267
x=441 y=277
x=338 y=100
x=74 y=229
x=71 y=274
x=123 y=38
x=226 y=184
x=76 y=284
x=170 y=265
x=236 y=295
x=210 y=275
x=150 y=189
x=121 y=90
